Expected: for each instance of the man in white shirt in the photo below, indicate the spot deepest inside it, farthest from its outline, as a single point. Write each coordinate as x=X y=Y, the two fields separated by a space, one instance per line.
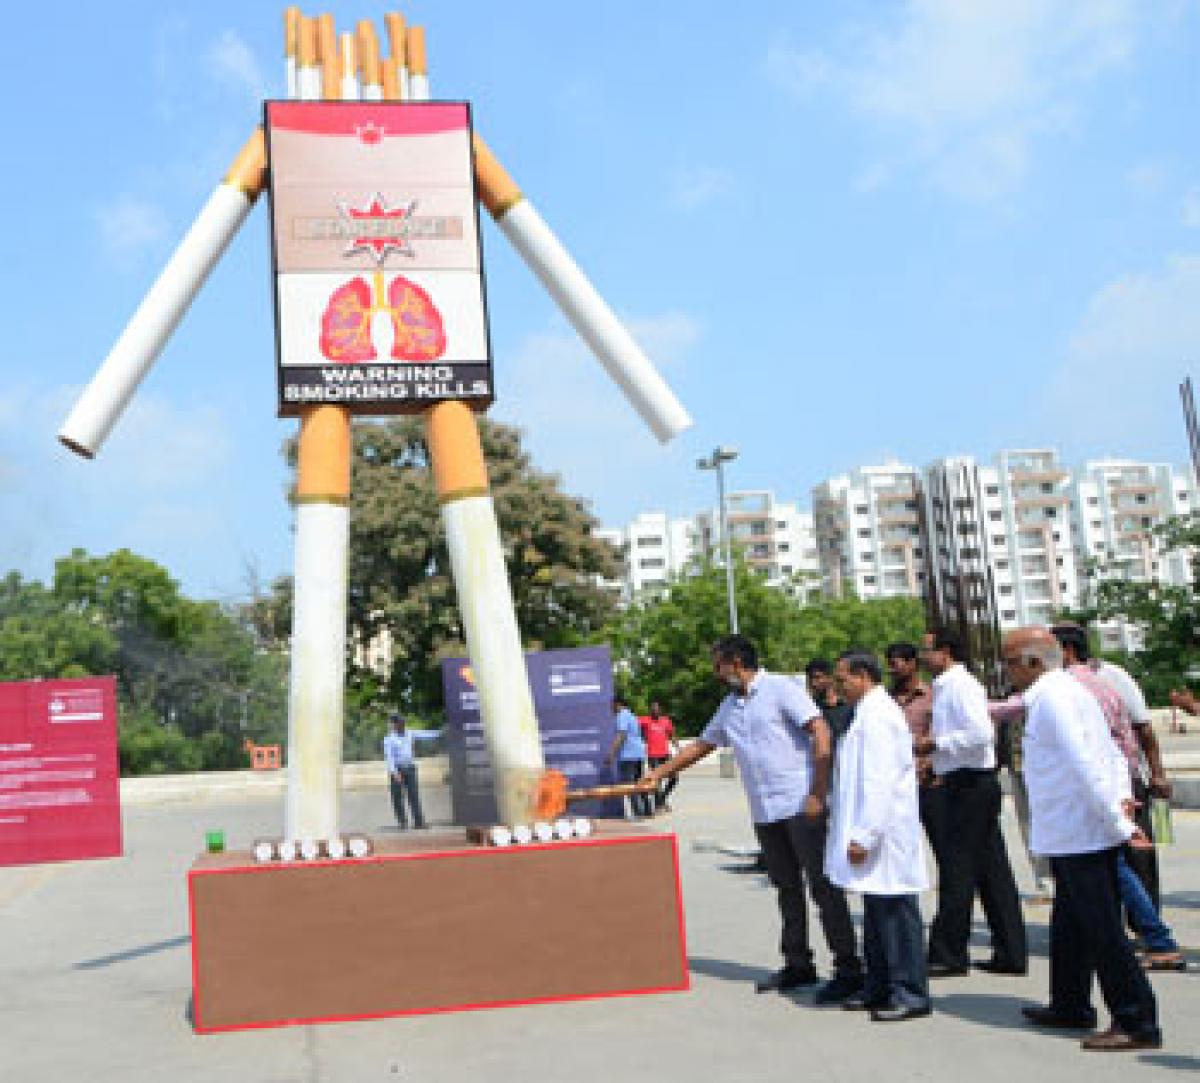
x=961 y=748
x=1151 y=779
x=1079 y=799
x=874 y=843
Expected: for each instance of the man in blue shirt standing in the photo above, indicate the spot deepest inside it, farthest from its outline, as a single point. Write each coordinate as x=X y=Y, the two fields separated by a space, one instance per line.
x=402 y=769
x=784 y=751
x=629 y=750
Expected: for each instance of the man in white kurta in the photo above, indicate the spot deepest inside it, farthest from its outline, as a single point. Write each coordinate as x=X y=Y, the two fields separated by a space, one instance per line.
x=1079 y=802
x=874 y=844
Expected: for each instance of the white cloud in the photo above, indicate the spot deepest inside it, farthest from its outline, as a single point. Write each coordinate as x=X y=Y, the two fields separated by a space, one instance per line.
x=577 y=422
x=697 y=187
x=129 y=229
x=1190 y=215
x=967 y=89
x=232 y=64
x=1137 y=339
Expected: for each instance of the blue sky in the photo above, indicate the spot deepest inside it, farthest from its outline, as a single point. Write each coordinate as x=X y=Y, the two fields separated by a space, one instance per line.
x=843 y=230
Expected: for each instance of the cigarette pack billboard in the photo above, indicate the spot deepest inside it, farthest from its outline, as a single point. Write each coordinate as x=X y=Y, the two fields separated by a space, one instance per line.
x=572 y=697
x=60 y=795
x=379 y=292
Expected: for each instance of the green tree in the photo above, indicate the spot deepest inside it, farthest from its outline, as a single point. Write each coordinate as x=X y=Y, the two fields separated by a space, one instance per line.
x=400 y=582
x=192 y=681
x=661 y=642
x=1167 y=617
x=39 y=637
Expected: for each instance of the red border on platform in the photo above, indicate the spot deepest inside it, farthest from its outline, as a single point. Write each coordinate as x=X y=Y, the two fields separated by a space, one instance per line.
x=683 y=987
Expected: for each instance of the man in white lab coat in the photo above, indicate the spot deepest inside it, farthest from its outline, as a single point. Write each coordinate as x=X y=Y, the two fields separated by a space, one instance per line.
x=1080 y=808
x=874 y=844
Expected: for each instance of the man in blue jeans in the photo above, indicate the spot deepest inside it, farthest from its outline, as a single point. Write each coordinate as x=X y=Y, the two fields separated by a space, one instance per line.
x=629 y=750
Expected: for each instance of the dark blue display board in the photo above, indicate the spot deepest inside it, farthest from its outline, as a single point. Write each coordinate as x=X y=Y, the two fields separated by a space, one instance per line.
x=572 y=697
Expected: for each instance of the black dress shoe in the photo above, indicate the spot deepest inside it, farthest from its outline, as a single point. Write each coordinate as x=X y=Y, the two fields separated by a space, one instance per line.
x=786 y=979
x=897 y=1013
x=945 y=970
x=995 y=966
x=1053 y=1020
x=838 y=988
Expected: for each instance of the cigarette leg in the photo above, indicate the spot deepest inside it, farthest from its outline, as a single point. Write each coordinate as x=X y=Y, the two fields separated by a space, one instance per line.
x=315 y=709
x=485 y=603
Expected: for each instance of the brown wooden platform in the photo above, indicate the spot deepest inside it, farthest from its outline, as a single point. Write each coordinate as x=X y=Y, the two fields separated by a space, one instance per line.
x=427 y=925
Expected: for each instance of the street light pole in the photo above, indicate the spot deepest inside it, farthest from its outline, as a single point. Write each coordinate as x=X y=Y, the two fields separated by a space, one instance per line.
x=716 y=462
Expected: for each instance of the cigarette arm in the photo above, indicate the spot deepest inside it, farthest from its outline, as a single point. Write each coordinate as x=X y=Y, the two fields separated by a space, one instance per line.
x=613 y=346
x=134 y=353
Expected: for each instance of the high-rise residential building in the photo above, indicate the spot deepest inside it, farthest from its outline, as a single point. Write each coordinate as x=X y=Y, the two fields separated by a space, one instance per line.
x=655 y=548
x=775 y=538
x=1002 y=538
x=1117 y=504
x=867 y=526
x=1006 y=543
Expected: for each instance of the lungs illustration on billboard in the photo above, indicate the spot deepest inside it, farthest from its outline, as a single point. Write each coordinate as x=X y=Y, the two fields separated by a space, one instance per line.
x=411 y=328
x=379 y=281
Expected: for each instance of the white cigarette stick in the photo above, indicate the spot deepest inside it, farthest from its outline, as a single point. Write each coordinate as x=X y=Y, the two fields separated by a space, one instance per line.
x=349 y=68
x=139 y=345
x=583 y=826
x=317 y=669
x=418 y=72
x=494 y=644
x=607 y=338
x=605 y=335
x=291 y=38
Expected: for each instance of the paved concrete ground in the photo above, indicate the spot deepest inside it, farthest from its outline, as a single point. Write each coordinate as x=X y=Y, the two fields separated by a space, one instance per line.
x=95 y=981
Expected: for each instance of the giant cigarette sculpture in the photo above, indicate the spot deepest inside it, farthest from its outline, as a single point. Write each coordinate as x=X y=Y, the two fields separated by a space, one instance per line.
x=322 y=64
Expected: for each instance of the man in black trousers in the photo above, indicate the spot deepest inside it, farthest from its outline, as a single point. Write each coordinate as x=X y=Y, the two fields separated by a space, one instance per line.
x=1081 y=815
x=961 y=748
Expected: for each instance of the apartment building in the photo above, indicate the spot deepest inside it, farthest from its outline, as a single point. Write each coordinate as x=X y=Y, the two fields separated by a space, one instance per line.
x=775 y=538
x=868 y=532
x=1002 y=537
x=1117 y=504
x=1012 y=541
x=655 y=546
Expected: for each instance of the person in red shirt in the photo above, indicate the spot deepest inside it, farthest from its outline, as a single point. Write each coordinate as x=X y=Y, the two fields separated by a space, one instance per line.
x=659 y=734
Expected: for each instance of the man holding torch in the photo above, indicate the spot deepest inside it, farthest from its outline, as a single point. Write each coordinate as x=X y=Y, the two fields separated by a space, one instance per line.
x=784 y=753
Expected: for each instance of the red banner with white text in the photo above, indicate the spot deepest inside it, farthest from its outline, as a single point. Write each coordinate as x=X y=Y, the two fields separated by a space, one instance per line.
x=60 y=796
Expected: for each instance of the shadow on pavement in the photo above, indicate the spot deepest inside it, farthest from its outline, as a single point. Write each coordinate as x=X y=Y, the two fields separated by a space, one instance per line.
x=725 y=970
x=132 y=953
x=1186 y=900
x=1171 y=1060
x=994 y=1010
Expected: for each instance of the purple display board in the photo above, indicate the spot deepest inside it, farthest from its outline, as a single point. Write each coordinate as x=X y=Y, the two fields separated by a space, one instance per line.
x=572 y=697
